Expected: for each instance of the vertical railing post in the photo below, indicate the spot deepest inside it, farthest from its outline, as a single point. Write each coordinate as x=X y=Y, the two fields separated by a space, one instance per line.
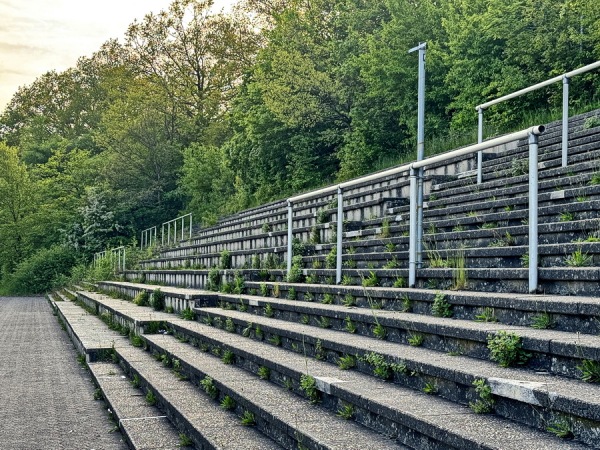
x=479 y=141
x=422 y=47
x=340 y=233
x=190 y=226
x=169 y=233
x=174 y=232
x=533 y=213
x=412 y=242
x=290 y=236
x=565 y=122
x=162 y=234
x=182 y=227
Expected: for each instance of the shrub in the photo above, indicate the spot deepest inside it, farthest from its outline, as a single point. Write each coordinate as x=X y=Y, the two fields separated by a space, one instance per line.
x=158 y=300
x=43 y=271
x=507 y=349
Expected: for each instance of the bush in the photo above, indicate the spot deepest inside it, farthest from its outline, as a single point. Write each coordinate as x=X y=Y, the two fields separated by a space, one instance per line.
x=41 y=272
x=158 y=300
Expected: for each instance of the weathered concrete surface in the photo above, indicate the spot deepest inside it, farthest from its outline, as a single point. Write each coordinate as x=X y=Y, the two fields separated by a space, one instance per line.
x=46 y=398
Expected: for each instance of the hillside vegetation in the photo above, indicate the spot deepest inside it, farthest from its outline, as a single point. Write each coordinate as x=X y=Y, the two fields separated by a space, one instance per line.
x=196 y=111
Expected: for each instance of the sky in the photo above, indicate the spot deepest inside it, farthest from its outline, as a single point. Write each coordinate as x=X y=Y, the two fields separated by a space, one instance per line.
x=37 y=36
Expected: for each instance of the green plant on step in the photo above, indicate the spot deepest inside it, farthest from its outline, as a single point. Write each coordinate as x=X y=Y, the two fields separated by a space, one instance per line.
x=525 y=259
x=371 y=280
x=458 y=228
x=228 y=403
x=349 y=326
x=379 y=331
x=319 y=350
x=258 y=333
x=430 y=388
x=440 y=306
x=207 y=384
x=389 y=247
x=415 y=339
x=268 y=310
x=346 y=362
x=485 y=403
x=158 y=300
x=381 y=368
x=264 y=373
x=239 y=284
x=142 y=298
x=385 y=229
x=566 y=216
x=346 y=411
x=392 y=263
x=135 y=381
x=98 y=395
x=542 y=321
x=324 y=322
x=276 y=291
x=248 y=329
x=590 y=371
x=188 y=314
x=169 y=309
x=207 y=320
x=248 y=419
x=591 y=122
x=578 y=259
x=315 y=235
x=327 y=299
x=459 y=271
x=225 y=260
x=292 y=294
x=595 y=180
x=348 y=301
x=331 y=258
x=275 y=340
x=242 y=307
x=304 y=319
x=346 y=280
x=560 y=428
x=507 y=349
x=308 y=385
x=150 y=398
x=137 y=340
x=400 y=282
x=487 y=315
x=406 y=303
x=264 y=290
x=229 y=325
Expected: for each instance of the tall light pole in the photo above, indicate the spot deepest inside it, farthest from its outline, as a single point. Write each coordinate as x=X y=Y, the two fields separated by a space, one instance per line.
x=420 y=151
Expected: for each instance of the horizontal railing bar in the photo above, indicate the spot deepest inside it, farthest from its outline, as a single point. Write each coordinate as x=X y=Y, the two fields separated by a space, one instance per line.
x=537 y=130
x=537 y=86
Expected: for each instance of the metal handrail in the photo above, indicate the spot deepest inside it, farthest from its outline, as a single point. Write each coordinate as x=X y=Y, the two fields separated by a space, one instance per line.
x=532 y=133
x=119 y=251
x=146 y=237
x=565 y=109
x=174 y=222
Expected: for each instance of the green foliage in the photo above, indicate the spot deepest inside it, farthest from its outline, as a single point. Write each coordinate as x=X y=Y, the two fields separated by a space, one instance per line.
x=561 y=428
x=227 y=403
x=415 y=340
x=207 y=385
x=578 y=259
x=264 y=373
x=441 y=307
x=142 y=298
x=371 y=280
x=349 y=326
x=228 y=357
x=485 y=403
x=346 y=412
x=542 y=321
x=188 y=314
x=225 y=260
x=346 y=362
x=268 y=310
x=308 y=384
x=591 y=122
x=590 y=370
x=379 y=331
x=185 y=440
x=248 y=419
x=150 y=398
x=158 y=300
x=487 y=315
x=331 y=258
x=45 y=270
x=507 y=349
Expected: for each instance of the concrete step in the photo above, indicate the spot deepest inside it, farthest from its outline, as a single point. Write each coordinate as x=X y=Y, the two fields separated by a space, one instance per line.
x=572 y=314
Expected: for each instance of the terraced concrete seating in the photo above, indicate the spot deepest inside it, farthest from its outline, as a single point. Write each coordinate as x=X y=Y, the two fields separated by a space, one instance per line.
x=292 y=356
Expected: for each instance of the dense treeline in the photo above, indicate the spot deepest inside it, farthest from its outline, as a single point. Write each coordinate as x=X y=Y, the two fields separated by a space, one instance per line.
x=197 y=111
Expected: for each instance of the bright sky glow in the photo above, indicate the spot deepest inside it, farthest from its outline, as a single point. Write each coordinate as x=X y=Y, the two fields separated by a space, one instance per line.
x=37 y=36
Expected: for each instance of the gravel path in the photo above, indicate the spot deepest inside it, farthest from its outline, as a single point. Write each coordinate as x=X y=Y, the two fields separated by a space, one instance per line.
x=46 y=397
